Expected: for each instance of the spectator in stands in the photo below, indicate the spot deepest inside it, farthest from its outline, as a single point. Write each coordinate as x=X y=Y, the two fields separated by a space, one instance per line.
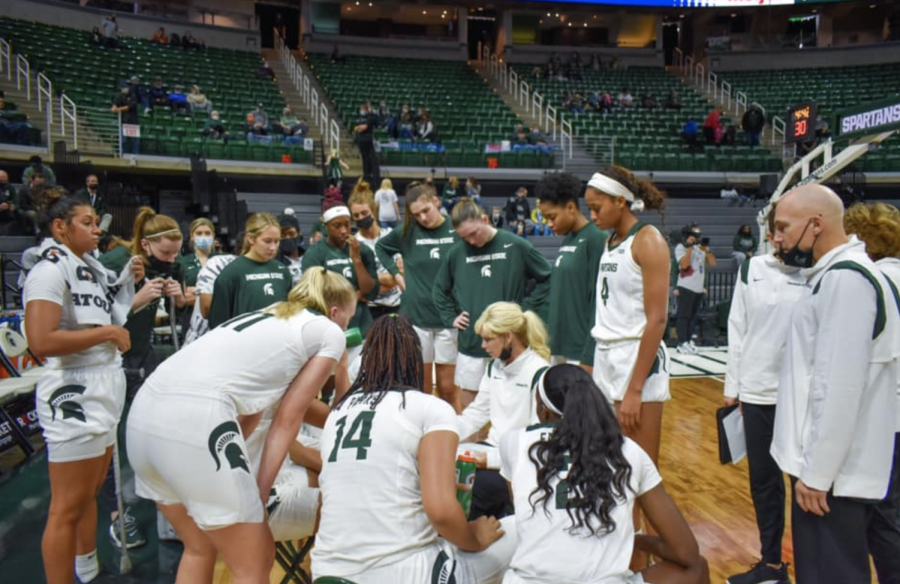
x=159 y=94
x=139 y=92
x=197 y=100
x=8 y=215
x=520 y=139
x=473 y=189
x=97 y=37
x=384 y=114
x=451 y=194
x=752 y=122
x=606 y=102
x=518 y=132
x=214 y=129
x=538 y=221
x=261 y=117
x=692 y=255
x=649 y=102
x=178 y=99
x=517 y=208
x=126 y=104
x=36 y=165
x=744 y=245
x=291 y=125
x=673 y=101
x=364 y=135
x=255 y=131
x=265 y=71
x=160 y=37
x=625 y=98
x=690 y=134
x=536 y=138
x=406 y=127
x=426 y=128
x=336 y=56
x=386 y=201
x=576 y=104
x=189 y=42
x=91 y=194
x=710 y=126
x=14 y=126
x=28 y=215
x=110 y=32
x=497 y=217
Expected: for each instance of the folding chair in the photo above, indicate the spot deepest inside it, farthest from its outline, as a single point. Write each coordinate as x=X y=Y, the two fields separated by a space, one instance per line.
x=290 y=558
x=17 y=410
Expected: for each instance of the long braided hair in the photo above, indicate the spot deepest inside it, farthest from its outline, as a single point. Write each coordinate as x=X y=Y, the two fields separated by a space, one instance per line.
x=391 y=360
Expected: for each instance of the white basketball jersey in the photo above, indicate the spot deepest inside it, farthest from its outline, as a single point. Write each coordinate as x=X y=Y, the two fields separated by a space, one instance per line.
x=620 y=312
x=251 y=358
x=372 y=512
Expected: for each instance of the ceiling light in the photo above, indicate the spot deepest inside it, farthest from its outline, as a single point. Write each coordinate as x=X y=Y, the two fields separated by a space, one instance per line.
x=424 y=12
x=734 y=16
x=585 y=24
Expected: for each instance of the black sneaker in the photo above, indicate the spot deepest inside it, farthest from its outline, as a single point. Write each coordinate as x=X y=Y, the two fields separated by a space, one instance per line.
x=133 y=537
x=762 y=573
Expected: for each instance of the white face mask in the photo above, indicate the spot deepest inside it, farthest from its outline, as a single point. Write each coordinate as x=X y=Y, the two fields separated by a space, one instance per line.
x=203 y=243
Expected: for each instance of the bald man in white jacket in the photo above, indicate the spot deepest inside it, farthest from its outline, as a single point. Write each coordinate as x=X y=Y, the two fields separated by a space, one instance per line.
x=834 y=421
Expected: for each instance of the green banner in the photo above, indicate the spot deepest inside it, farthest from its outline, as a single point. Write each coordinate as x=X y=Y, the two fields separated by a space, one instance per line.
x=869 y=118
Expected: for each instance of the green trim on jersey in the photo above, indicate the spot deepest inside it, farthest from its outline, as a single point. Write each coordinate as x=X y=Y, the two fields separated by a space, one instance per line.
x=745 y=271
x=537 y=375
x=539 y=426
x=880 y=313
x=634 y=229
x=894 y=292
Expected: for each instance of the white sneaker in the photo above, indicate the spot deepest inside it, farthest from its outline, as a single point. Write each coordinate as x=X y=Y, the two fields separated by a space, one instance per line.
x=685 y=349
x=692 y=345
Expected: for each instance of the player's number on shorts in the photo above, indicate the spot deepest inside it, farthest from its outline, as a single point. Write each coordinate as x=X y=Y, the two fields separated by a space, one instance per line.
x=604 y=291
x=239 y=323
x=361 y=426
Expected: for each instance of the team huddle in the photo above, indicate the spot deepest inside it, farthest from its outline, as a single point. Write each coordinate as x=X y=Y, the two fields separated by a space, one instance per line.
x=271 y=425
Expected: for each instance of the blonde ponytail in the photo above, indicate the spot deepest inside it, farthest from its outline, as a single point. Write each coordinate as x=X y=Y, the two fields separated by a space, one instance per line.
x=507 y=317
x=319 y=290
x=150 y=225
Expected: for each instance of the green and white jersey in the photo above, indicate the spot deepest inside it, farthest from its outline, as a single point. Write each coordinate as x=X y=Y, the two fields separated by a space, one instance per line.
x=370 y=481
x=572 y=291
x=245 y=285
x=620 y=312
x=338 y=261
x=391 y=297
x=472 y=278
x=140 y=323
x=422 y=251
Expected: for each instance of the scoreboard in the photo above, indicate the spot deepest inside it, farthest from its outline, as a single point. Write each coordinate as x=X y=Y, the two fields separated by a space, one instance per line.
x=801 y=125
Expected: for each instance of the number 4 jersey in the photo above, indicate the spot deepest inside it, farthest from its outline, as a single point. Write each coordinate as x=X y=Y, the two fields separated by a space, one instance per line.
x=372 y=512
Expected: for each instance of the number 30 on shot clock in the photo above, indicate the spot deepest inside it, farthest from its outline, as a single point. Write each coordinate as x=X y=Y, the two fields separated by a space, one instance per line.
x=801 y=124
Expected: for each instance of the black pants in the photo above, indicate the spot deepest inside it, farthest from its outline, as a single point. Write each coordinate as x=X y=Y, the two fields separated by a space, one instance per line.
x=766 y=480
x=884 y=528
x=369 y=160
x=490 y=495
x=688 y=307
x=832 y=549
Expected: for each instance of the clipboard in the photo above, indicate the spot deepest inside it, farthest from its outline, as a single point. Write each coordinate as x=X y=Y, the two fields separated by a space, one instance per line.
x=730 y=427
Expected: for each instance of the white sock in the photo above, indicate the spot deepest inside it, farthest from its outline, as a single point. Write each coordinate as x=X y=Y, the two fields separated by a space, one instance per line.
x=87 y=567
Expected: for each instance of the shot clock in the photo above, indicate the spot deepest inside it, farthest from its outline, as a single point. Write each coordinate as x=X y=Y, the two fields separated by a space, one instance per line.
x=801 y=124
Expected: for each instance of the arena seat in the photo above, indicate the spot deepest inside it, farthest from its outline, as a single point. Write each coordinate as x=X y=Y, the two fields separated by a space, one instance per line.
x=648 y=139
x=466 y=112
x=90 y=76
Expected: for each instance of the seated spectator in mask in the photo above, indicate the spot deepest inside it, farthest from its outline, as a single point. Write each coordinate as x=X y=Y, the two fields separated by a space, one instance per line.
x=536 y=138
x=426 y=129
x=261 y=117
x=178 y=99
x=198 y=101
x=160 y=37
x=255 y=131
x=405 y=128
x=36 y=165
x=291 y=125
x=383 y=113
x=159 y=94
x=214 y=129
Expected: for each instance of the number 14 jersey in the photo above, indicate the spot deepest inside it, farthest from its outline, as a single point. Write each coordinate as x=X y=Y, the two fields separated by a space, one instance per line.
x=620 y=312
x=372 y=512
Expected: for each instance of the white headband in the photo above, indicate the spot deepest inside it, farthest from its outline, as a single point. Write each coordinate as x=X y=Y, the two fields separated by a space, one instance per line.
x=611 y=186
x=544 y=399
x=162 y=233
x=334 y=213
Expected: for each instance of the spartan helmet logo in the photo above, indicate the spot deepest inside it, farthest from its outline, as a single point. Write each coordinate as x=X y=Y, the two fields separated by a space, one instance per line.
x=10 y=339
x=347 y=272
x=223 y=440
x=63 y=399
x=268 y=289
x=485 y=271
x=435 y=253
x=53 y=254
x=84 y=274
x=273 y=502
x=443 y=571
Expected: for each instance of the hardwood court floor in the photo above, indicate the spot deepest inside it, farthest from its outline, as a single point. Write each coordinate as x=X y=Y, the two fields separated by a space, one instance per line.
x=714 y=499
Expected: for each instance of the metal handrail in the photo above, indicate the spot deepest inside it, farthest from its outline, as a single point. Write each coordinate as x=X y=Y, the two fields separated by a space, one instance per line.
x=45 y=95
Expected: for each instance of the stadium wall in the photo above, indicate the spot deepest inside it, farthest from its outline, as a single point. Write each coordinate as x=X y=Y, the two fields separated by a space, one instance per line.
x=806 y=58
x=443 y=50
x=627 y=57
x=65 y=14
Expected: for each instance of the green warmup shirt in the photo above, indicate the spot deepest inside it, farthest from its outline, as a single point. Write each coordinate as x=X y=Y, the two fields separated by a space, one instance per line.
x=190 y=268
x=338 y=261
x=422 y=251
x=139 y=324
x=472 y=278
x=245 y=285
x=573 y=286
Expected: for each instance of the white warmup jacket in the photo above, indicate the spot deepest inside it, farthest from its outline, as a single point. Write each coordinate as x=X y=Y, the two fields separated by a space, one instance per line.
x=758 y=326
x=834 y=423
x=890 y=267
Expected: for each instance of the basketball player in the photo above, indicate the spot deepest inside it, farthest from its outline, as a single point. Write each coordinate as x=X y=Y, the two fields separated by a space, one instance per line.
x=878 y=226
x=388 y=485
x=758 y=325
x=488 y=266
x=574 y=277
x=517 y=344
x=363 y=211
x=575 y=479
x=255 y=280
x=834 y=420
x=186 y=430
x=75 y=314
x=423 y=241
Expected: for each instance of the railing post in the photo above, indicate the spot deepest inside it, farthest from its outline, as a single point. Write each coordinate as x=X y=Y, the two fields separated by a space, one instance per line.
x=45 y=95
x=119 y=116
x=335 y=135
x=712 y=82
x=323 y=115
x=314 y=103
x=5 y=62
x=524 y=91
x=551 y=119
x=537 y=106
x=700 y=75
x=23 y=71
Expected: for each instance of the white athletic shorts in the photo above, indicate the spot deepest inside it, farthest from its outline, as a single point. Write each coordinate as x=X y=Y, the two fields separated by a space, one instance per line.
x=438 y=563
x=438 y=345
x=513 y=578
x=563 y=360
x=293 y=505
x=613 y=367
x=187 y=448
x=79 y=410
x=469 y=371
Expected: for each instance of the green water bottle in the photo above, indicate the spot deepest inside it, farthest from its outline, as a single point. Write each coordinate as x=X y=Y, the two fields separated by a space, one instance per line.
x=354 y=337
x=465 y=475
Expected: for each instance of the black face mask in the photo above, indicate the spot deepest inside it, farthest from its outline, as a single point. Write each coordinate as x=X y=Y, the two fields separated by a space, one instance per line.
x=365 y=222
x=506 y=354
x=796 y=257
x=289 y=247
x=160 y=267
